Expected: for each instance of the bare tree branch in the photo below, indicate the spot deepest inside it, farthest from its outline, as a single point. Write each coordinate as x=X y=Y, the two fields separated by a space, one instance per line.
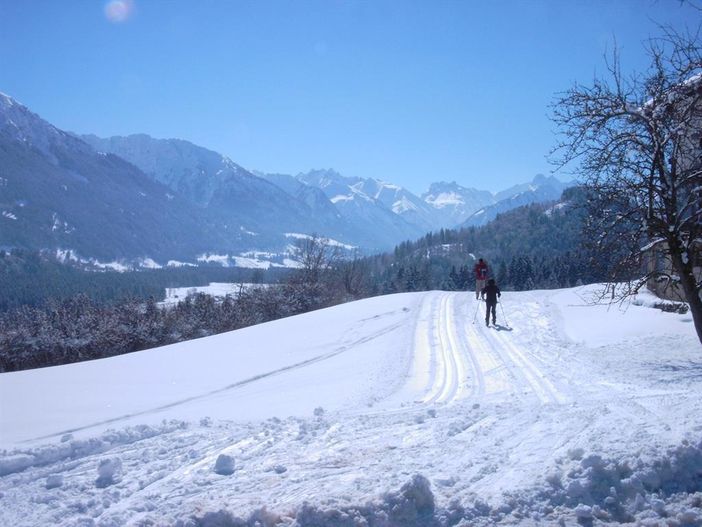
x=636 y=143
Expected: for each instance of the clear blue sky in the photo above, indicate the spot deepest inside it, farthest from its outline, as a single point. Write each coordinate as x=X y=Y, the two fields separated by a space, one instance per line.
x=407 y=91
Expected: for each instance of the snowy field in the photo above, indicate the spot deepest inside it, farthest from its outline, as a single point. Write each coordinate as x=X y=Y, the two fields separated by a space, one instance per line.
x=219 y=290
x=391 y=411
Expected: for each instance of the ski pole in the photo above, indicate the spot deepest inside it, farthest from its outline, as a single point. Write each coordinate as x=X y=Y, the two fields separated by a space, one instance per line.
x=476 y=312
x=503 y=314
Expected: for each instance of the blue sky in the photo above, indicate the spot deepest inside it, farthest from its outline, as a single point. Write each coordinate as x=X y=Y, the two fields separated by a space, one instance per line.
x=406 y=91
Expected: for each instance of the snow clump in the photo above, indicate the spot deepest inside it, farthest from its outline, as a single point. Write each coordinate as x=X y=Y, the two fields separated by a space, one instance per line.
x=54 y=481
x=224 y=465
x=629 y=489
x=412 y=506
x=109 y=471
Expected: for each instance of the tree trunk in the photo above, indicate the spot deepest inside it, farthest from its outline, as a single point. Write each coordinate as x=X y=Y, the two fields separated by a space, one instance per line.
x=689 y=287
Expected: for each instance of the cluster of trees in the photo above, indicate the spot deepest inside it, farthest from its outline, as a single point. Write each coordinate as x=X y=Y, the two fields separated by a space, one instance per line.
x=524 y=273
x=537 y=246
x=80 y=328
x=31 y=278
x=519 y=273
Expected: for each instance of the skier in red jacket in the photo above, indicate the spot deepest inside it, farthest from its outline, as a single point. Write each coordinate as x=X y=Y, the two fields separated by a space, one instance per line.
x=481 y=274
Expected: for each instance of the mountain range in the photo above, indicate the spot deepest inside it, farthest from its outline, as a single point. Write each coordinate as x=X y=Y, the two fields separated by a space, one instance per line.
x=137 y=198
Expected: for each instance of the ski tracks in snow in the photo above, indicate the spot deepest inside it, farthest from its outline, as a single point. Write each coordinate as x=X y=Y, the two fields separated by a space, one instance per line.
x=450 y=364
x=456 y=357
x=474 y=409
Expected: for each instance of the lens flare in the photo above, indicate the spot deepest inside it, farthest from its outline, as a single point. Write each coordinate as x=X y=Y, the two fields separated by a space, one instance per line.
x=119 y=11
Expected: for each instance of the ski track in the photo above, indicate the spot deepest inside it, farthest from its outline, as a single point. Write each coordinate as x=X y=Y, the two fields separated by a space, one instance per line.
x=467 y=359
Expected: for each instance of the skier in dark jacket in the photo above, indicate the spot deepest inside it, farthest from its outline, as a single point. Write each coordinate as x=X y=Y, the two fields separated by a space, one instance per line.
x=490 y=293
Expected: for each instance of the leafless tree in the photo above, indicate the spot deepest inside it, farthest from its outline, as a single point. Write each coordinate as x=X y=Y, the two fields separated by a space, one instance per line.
x=316 y=256
x=353 y=275
x=312 y=283
x=636 y=142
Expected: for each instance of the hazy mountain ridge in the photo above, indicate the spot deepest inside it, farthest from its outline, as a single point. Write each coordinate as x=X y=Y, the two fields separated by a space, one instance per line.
x=57 y=192
x=268 y=206
x=139 y=197
x=361 y=208
x=541 y=189
x=20 y=124
x=212 y=181
x=455 y=203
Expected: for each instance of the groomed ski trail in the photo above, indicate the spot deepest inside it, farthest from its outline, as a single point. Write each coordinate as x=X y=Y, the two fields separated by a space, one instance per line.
x=456 y=358
x=525 y=373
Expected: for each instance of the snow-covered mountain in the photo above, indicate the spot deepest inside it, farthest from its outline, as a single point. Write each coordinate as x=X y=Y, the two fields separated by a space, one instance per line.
x=389 y=411
x=454 y=203
x=240 y=199
x=334 y=185
x=328 y=219
x=444 y=205
x=20 y=125
x=540 y=190
x=404 y=203
x=540 y=182
x=319 y=202
x=56 y=192
x=359 y=203
x=183 y=166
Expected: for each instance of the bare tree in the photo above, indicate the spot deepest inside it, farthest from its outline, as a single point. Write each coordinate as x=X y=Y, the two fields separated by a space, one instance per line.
x=316 y=255
x=311 y=284
x=353 y=276
x=637 y=143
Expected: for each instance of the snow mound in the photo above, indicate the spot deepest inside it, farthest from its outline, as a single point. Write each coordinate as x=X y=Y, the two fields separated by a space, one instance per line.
x=591 y=488
x=412 y=506
x=224 y=466
x=629 y=489
x=109 y=472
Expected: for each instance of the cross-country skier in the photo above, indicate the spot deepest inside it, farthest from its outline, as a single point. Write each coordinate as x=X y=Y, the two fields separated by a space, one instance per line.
x=490 y=293
x=481 y=274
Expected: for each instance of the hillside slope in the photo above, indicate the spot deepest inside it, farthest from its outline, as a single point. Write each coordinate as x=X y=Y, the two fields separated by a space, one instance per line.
x=398 y=407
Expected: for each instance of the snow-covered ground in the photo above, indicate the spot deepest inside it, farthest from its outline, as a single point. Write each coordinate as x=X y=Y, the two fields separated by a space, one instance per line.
x=219 y=290
x=391 y=411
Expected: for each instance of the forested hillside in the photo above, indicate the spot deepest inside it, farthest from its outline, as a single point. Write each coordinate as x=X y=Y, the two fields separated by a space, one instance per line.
x=30 y=278
x=535 y=246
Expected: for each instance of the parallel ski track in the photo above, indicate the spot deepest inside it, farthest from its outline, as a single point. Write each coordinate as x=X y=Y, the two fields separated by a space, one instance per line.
x=469 y=355
x=450 y=356
x=539 y=382
x=525 y=375
x=457 y=357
